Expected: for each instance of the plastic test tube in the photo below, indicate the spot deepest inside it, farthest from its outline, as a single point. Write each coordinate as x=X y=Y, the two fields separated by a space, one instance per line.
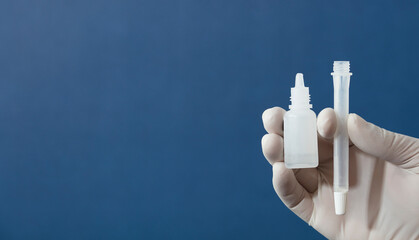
x=341 y=79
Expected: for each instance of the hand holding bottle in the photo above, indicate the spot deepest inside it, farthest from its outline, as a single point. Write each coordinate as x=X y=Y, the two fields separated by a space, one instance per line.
x=383 y=201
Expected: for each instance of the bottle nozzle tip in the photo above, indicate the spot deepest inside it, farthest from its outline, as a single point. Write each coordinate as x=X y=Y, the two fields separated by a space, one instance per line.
x=299 y=80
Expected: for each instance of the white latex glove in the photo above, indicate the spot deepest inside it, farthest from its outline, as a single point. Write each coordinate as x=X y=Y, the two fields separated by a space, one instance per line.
x=383 y=197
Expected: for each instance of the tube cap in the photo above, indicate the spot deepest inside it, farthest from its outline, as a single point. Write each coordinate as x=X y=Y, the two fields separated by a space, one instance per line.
x=340 y=203
x=341 y=68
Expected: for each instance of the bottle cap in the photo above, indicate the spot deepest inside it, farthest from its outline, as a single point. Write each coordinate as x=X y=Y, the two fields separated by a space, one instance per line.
x=300 y=97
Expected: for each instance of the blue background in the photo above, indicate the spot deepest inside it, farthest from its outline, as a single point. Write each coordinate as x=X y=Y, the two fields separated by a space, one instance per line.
x=142 y=119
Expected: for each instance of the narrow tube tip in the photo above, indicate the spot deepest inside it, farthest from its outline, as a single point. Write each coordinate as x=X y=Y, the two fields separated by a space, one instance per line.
x=340 y=203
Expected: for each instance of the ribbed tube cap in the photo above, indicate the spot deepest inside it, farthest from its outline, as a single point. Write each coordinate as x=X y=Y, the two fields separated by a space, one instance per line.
x=340 y=203
x=341 y=68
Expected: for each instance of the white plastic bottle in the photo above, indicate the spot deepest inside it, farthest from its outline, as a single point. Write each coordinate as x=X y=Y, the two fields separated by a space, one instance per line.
x=300 y=129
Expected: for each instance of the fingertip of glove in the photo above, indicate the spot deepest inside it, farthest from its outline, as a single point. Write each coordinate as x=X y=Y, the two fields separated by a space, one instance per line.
x=354 y=120
x=326 y=123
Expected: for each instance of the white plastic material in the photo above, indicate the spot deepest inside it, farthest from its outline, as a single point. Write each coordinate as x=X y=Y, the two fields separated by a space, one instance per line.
x=300 y=96
x=340 y=203
x=341 y=80
x=300 y=129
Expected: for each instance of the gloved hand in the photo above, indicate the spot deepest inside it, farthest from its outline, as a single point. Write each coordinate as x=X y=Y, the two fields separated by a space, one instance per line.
x=383 y=197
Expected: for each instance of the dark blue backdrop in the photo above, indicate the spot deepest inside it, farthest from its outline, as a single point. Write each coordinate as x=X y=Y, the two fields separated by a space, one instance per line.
x=142 y=119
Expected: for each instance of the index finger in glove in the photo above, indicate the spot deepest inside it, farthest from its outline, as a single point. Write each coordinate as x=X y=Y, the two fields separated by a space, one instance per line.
x=273 y=119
